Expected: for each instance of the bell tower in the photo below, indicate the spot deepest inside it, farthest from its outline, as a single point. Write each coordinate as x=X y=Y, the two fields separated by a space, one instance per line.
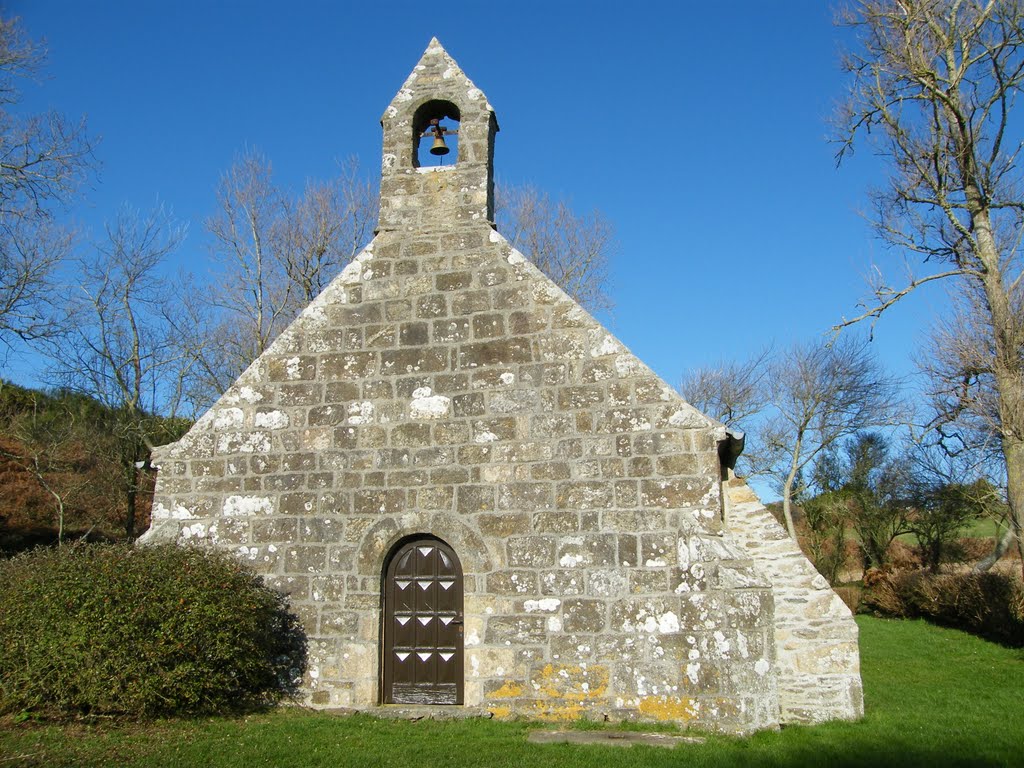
x=422 y=187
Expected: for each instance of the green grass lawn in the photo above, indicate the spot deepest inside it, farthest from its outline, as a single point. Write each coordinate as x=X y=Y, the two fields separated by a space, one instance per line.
x=935 y=698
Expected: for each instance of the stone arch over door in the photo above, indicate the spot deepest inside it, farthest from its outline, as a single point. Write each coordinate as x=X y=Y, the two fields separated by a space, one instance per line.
x=422 y=645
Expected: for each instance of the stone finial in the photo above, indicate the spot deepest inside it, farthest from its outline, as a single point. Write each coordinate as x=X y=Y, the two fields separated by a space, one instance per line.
x=418 y=192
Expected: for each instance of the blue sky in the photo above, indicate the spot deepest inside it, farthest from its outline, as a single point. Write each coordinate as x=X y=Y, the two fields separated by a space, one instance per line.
x=699 y=129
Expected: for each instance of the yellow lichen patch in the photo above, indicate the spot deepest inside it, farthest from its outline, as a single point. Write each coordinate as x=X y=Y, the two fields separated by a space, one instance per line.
x=501 y=713
x=509 y=690
x=572 y=683
x=678 y=708
x=557 y=714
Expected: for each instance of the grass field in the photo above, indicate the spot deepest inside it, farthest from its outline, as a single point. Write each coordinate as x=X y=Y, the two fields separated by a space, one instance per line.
x=934 y=697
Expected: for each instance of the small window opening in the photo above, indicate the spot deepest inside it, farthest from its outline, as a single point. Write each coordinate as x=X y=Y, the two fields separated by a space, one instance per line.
x=436 y=134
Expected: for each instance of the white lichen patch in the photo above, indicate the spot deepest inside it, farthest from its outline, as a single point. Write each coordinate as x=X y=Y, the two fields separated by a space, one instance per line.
x=741 y=646
x=761 y=667
x=626 y=365
x=194 y=531
x=484 y=436
x=236 y=442
x=668 y=623
x=686 y=416
x=360 y=413
x=228 y=418
x=246 y=506
x=605 y=345
x=293 y=368
x=507 y=378
x=271 y=420
x=426 y=405
x=160 y=512
x=722 y=644
x=545 y=604
x=570 y=561
x=353 y=271
x=242 y=394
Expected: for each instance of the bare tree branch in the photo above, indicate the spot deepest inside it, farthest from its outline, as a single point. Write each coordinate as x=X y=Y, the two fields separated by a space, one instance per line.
x=44 y=159
x=572 y=250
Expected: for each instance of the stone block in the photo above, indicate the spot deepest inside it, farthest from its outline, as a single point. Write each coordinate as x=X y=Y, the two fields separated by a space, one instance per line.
x=469 y=404
x=413 y=334
x=433 y=497
x=676 y=493
x=531 y=551
x=453 y=281
x=517 y=630
x=513 y=582
x=276 y=529
x=432 y=306
x=349 y=366
x=378 y=502
x=471 y=499
x=469 y=302
x=488 y=326
x=328 y=588
x=550 y=470
x=526 y=322
x=449 y=331
x=583 y=495
x=525 y=497
x=305 y=558
x=380 y=336
x=587 y=550
x=425 y=359
x=509 y=351
x=556 y=521
x=503 y=525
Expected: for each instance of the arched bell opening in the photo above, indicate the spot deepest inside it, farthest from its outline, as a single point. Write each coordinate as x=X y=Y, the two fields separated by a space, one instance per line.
x=436 y=134
x=421 y=627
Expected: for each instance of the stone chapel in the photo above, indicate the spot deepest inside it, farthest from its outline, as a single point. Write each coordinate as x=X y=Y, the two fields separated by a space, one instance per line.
x=476 y=496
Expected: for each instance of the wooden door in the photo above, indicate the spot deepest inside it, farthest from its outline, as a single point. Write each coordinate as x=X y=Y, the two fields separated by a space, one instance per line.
x=422 y=649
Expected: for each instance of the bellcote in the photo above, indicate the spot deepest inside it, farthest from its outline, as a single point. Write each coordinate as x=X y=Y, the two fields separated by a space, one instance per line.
x=419 y=190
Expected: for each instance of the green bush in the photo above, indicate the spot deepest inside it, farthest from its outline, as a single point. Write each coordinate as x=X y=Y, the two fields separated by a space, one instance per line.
x=141 y=632
x=990 y=605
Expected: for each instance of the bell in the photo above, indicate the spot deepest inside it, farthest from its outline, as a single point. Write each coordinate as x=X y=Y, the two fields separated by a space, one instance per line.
x=439 y=147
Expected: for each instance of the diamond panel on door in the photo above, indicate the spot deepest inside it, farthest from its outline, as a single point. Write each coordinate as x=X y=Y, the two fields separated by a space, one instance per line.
x=422 y=653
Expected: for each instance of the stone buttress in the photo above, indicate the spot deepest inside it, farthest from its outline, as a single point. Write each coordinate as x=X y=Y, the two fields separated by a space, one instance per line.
x=442 y=386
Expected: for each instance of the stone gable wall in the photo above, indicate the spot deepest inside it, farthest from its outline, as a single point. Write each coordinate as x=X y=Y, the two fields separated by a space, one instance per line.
x=442 y=385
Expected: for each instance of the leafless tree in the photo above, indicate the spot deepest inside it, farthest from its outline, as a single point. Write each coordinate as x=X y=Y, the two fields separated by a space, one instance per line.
x=821 y=394
x=274 y=253
x=48 y=448
x=933 y=90
x=572 y=250
x=121 y=347
x=44 y=158
x=736 y=394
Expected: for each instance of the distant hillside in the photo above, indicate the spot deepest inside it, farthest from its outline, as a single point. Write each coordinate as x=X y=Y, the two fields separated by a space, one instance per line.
x=62 y=455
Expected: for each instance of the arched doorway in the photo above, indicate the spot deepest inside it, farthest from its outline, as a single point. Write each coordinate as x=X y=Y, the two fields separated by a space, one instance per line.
x=422 y=645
